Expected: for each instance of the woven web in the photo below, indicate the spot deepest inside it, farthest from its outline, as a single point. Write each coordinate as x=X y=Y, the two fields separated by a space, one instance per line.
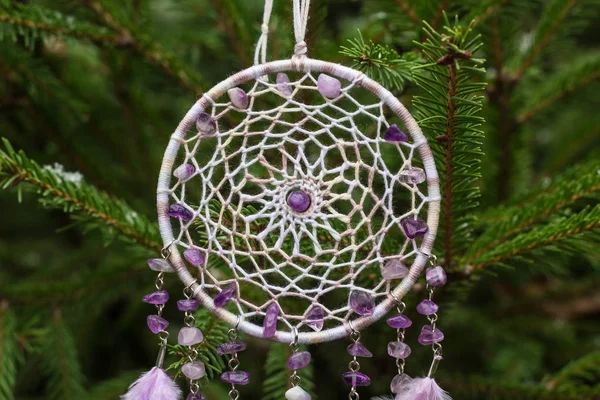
x=332 y=149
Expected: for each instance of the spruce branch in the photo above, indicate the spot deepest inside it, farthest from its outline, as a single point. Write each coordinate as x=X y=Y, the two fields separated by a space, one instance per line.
x=563 y=233
x=550 y=23
x=581 y=181
x=582 y=372
x=449 y=113
x=65 y=380
x=381 y=63
x=488 y=9
x=278 y=376
x=570 y=77
x=9 y=352
x=87 y=205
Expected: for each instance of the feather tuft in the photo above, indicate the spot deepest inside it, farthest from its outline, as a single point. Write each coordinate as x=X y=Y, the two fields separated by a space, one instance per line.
x=424 y=389
x=153 y=385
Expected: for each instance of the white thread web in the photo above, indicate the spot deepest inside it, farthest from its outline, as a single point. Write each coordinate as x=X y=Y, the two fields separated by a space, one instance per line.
x=332 y=150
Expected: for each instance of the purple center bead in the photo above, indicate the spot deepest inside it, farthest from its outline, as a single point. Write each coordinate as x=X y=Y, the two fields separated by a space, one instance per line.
x=225 y=296
x=394 y=134
x=299 y=201
x=236 y=377
x=362 y=303
x=356 y=379
x=231 y=347
x=159 y=297
x=359 y=350
x=299 y=360
x=399 y=321
x=179 y=211
x=414 y=227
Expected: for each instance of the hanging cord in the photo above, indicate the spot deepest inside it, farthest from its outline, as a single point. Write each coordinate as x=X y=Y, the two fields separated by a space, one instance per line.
x=260 y=54
x=301 y=8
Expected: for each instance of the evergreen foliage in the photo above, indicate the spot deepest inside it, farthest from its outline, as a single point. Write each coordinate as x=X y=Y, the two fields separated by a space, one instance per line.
x=507 y=94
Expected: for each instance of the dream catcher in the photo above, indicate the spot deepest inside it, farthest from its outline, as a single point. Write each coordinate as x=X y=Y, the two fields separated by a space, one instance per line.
x=276 y=195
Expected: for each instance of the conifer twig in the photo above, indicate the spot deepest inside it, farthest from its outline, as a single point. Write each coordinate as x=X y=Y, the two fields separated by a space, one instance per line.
x=409 y=11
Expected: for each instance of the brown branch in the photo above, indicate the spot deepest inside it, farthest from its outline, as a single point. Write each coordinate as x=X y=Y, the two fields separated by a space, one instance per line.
x=447 y=202
x=409 y=11
x=489 y=12
x=226 y=26
x=437 y=18
x=87 y=209
x=526 y=115
x=541 y=45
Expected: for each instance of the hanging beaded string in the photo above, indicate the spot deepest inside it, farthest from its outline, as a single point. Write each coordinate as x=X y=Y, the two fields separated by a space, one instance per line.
x=430 y=334
x=354 y=377
x=233 y=376
x=298 y=360
x=399 y=349
x=156 y=323
x=191 y=336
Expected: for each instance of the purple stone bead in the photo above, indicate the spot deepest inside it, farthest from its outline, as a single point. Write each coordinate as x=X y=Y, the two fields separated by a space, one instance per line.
x=179 y=211
x=238 y=98
x=156 y=323
x=194 y=370
x=236 y=377
x=356 y=379
x=270 y=322
x=436 y=276
x=159 y=297
x=299 y=201
x=184 y=172
x=231 y=347
x=188 y=305
x=413 y=176
x=196 y=396
x=362 y=303
x=414 y=227
x=428 y=336
x=427 y=307
x=160 y=265
x=359 y=350
x=205 y=124
x=399 y=321
x=299 y=360
x=328 y=86
x=316 y=318
x=399 y=350
x=283 y=84
x=297 y=393
x=394 y=134
x=401 y=384
x=194 y=257
x=190 y=336
x=393 y=269
x=225 y=296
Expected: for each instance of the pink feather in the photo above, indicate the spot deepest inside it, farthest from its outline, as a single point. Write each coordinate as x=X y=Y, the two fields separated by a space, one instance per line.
x=153 y=385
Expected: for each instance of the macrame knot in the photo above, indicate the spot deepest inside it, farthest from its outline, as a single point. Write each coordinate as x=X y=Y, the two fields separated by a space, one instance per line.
x=265 y=29
x=300 y=49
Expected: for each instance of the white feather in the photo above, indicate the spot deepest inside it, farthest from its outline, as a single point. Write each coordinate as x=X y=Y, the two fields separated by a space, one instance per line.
x=153 y=385
x=424 y=389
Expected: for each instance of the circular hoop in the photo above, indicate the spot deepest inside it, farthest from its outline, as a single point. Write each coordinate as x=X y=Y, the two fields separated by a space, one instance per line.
x=420 y=143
